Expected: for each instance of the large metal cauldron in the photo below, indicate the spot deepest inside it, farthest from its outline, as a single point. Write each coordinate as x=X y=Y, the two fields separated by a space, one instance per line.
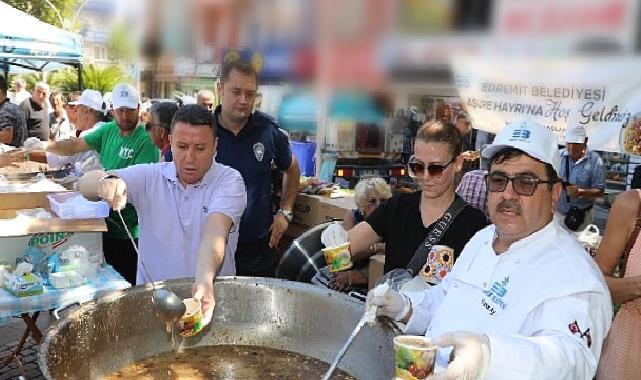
x=107 y=334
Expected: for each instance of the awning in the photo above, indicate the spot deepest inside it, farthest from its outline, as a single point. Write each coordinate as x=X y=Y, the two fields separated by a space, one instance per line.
x=28 y=43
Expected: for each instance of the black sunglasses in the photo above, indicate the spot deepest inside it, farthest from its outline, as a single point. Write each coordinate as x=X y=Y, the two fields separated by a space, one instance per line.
x=417 y=169
x=522 y=184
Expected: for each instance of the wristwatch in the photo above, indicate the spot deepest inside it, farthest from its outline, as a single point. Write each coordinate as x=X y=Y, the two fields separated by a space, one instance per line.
x=287 y=214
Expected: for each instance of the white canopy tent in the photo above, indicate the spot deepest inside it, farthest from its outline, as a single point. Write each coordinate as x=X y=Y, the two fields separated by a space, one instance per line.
x=27 y=43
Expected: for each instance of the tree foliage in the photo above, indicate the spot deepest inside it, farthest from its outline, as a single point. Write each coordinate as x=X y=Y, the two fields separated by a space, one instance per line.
x=119 y=45
x=44 y=12
x=93 y=77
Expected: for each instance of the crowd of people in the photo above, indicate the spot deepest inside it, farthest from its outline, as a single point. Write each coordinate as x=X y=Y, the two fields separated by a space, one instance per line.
x=191 y=184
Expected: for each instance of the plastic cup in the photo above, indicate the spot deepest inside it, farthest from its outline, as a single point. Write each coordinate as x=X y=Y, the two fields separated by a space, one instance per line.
x=338 y=258
x=415 y=356
x=191 y=323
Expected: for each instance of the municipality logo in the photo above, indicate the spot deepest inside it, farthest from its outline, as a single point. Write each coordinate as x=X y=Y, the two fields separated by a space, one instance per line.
x=496 y=295
x=521 y=134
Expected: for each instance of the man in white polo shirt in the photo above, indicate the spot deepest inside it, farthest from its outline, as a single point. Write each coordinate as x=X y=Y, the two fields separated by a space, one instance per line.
x=188 y=209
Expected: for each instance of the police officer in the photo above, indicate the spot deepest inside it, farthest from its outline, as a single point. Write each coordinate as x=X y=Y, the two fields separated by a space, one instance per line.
x=251 y=142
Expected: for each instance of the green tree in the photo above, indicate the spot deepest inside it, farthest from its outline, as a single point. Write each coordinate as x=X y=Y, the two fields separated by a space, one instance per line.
x=119 y=45
x=93 y=77
x=44 y=12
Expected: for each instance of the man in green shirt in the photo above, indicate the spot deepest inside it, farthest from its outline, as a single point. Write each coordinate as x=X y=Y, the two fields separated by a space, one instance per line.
x=120 y=143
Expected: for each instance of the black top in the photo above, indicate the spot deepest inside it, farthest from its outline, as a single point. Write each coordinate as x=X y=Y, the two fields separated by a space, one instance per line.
x=11 y=117
x=398 y=222
x=37 y=119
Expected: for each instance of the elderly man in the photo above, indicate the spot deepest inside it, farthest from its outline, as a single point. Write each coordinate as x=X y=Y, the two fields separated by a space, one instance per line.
x=159 y=127
x=36 y=112
x=252 y=143
x=206 y=99
x=524 y=300
x=20 y=92
x=13 y=130
x=120 y=143
x=189 y=226
x=584 y=173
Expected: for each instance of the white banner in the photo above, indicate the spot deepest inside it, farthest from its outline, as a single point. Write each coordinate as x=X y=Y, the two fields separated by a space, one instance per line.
x=602 y=94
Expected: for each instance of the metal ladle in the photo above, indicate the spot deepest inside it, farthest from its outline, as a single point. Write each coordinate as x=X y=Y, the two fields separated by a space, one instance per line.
x=170 y=307
x=368 y=317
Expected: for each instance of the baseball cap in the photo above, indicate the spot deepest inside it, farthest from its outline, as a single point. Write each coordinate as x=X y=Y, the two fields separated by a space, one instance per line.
x=125 y=96
x=575 y=134
x=527 y=136
x=92 y=99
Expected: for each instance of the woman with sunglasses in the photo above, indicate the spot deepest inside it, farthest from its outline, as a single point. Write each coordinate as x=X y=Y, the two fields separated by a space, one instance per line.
x=368 y=195
x=404 y=221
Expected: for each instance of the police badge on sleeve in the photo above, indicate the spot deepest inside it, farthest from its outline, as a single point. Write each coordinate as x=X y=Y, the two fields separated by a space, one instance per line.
x=259 y=151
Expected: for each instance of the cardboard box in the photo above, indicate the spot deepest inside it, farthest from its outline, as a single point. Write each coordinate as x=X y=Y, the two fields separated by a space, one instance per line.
x=334 y=208
x=53 y=234
x=376 y=269
x=310 y=210
x=306 y=210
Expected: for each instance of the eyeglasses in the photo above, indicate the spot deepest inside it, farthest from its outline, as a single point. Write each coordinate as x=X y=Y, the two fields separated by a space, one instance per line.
x=417 y=169
x=522 y=184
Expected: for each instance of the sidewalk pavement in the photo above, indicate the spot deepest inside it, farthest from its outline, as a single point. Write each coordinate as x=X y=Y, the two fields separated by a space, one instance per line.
x=9 y=337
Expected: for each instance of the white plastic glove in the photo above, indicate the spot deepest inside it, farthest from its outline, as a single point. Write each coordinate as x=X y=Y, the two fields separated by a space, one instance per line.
x=34 y=143
x=114 y=191
x=471 y=355
x=334 y=235
x=389 y=303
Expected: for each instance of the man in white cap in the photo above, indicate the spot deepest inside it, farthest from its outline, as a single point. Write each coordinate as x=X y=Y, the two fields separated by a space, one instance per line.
x=524 y=300
x=120 y=143
x=90 y=111
x=584 y=174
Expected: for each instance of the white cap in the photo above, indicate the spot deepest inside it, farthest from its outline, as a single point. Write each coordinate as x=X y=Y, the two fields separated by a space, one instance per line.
x=92 y=99
x=527 y=136
x=125 y=96
x=575 y=134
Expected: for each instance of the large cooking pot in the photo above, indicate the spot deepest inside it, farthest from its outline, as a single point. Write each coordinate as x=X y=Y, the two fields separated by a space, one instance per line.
x=104 y=335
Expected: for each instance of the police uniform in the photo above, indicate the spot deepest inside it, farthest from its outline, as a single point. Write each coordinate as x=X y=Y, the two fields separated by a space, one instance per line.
x=258 y=146
x=543 y=304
